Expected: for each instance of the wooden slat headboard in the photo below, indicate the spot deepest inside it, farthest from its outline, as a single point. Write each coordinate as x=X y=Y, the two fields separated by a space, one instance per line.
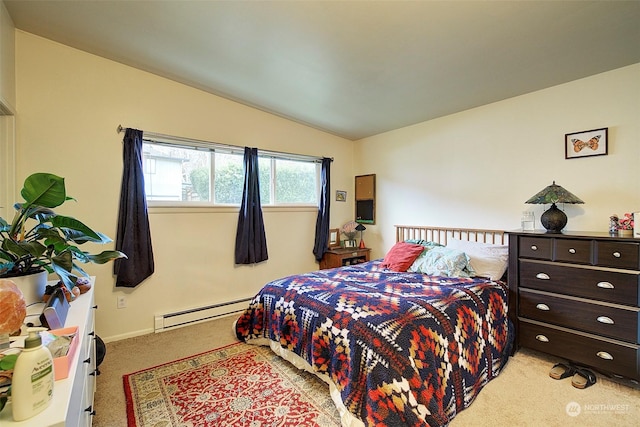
x=441 y=234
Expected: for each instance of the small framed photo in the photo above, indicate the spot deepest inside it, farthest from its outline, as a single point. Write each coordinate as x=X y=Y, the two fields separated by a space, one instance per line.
x=350 y=243
x=334 y=238
x=586 y=143
x=341 y=196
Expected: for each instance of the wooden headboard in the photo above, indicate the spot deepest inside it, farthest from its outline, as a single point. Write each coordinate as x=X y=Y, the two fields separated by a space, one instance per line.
x=441 y=234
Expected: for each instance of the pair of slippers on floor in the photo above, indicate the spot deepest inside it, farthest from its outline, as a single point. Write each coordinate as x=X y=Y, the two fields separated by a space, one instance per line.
x=581 y=378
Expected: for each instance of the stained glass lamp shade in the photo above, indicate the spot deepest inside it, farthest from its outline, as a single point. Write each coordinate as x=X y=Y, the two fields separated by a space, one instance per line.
x=553 y=219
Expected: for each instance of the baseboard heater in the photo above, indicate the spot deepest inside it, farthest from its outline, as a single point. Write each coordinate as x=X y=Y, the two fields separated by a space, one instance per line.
x=168 y=321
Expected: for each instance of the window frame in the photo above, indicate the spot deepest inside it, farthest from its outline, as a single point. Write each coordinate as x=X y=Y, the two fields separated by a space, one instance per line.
x=214 y=148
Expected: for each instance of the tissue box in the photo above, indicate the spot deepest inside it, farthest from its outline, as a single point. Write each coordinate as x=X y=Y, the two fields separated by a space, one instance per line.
x=61 y=364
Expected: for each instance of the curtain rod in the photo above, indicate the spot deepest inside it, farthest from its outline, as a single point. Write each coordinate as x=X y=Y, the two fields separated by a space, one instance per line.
x=203 y=143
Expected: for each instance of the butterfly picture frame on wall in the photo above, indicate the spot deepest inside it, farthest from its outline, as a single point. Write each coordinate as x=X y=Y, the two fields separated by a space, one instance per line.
x=587 y=143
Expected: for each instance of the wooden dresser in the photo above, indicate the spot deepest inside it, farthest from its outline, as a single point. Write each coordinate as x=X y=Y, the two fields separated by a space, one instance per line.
x=576 y=296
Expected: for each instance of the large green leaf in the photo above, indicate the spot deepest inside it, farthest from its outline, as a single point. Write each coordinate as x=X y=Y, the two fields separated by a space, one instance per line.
x=44 y=189
x=67 y=277
x=53 y=237
x=34 y=249
x=84 y=233
x=79 y=254
x=106 y=256
x=63 y=260
x=38 y=212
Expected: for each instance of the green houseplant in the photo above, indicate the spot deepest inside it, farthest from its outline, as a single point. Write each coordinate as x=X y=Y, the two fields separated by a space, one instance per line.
x=38 y=239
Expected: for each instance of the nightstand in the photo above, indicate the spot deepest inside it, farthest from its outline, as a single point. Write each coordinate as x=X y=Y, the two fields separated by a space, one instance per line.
x=344 y=256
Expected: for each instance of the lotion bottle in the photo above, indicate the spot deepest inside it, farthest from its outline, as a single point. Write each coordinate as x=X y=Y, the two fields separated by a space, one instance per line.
x=33 y=378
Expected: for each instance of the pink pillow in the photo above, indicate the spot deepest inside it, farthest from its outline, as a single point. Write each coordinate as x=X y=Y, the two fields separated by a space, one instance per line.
x=401 y=256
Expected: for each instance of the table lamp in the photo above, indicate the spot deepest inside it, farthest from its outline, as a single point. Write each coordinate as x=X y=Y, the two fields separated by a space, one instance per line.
x=361 y=228
x=553 y=219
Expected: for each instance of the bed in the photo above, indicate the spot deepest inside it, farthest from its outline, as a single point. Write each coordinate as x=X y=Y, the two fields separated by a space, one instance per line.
x=399 y=345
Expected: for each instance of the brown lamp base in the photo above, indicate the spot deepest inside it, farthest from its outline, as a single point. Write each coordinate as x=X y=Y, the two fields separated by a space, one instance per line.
x=553 y=219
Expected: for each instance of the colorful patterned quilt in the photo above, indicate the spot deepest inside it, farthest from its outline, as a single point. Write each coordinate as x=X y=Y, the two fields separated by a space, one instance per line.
x=403 y=349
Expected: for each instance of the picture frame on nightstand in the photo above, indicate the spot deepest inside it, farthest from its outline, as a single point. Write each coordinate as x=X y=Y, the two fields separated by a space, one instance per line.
x=350 y=243
x=334 y=238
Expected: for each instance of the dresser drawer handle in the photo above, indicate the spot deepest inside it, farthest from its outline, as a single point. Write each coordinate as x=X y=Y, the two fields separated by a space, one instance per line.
x=543 y=307
x=604 y=355
x=605 y=319
x=617 y=254
x=534 y=248
x=572 y=251
x=605 y=285
x=542 y=338
x=542 y=276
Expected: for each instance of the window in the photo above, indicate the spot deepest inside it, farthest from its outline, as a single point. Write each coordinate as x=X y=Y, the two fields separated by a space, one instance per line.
x=183 y=175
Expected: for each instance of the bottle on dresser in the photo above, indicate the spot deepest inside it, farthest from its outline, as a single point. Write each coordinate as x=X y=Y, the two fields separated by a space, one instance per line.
x=33 y=377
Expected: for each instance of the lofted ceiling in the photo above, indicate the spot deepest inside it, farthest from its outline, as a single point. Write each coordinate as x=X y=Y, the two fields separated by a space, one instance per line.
x=351 y=68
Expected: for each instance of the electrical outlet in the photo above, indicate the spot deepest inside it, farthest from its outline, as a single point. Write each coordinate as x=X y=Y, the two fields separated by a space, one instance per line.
x=122 y=302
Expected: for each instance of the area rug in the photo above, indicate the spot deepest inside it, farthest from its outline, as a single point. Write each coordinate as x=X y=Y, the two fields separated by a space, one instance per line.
x=236 y=385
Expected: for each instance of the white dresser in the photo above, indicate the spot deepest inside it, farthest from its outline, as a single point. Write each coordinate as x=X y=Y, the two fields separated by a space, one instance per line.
x=72 y=404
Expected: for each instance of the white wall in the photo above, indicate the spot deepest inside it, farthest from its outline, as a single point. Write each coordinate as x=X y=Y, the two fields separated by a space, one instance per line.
x=69 y=104
x=478 y=167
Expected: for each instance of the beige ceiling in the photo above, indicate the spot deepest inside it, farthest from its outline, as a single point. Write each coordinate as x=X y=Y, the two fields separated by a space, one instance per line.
x=352 y=68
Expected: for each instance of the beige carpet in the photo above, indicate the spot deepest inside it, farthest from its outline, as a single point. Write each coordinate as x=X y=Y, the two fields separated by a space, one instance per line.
x=523 y=395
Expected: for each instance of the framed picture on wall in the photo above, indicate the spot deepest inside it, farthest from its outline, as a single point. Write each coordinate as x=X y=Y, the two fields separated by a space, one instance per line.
x=334 y=238
x=586 y=143
x=341 y=196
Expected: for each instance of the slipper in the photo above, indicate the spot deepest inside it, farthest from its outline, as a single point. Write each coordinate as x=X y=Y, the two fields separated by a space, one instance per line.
x=561 y=370
x=583 y=378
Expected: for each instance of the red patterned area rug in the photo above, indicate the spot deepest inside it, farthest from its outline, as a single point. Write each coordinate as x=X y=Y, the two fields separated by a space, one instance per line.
x=236 y=385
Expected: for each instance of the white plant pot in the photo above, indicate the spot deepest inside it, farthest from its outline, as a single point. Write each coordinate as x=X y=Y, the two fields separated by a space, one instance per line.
x=32 y=286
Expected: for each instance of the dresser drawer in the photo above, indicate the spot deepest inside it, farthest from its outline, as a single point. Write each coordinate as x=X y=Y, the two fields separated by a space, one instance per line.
x=616 y=287
x=606 y=355
x=535 y=247
x=608 y=320
x=618 y=254
x=578 y=251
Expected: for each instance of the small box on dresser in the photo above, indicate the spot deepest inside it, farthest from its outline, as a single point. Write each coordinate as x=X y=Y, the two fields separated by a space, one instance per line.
x=576 y=296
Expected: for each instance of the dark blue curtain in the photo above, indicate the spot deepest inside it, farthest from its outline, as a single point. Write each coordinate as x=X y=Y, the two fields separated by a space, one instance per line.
x=133 y=235
x=322 y=222
x=251 y=240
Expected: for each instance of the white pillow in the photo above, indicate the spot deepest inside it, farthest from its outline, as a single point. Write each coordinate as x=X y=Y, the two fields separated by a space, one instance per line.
x=486 y=259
